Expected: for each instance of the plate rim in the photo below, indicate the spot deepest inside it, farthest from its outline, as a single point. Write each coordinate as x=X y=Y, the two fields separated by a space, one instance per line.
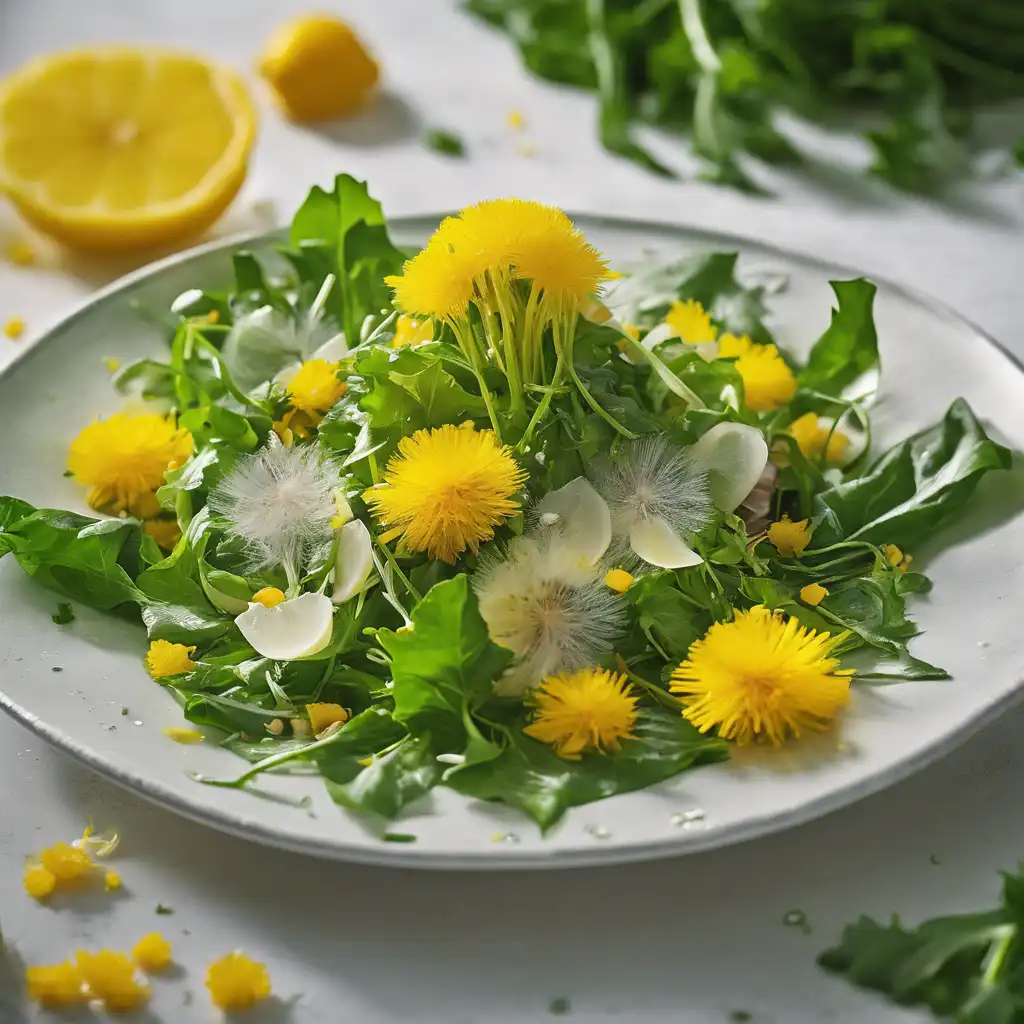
x=398 y=855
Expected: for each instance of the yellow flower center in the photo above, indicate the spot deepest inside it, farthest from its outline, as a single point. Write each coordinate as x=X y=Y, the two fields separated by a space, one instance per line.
x=315 y=387
x=447 y=489
x=269 y=597
x=236 y=982
x=788 y=537
x=167 y=659
x=768 y=382
x=814 y=440
x=761 y=676
x=123 y=459
x=690 y=322
x=588 y=710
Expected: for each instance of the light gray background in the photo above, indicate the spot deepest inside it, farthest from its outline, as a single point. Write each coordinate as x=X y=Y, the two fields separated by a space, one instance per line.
x=684 y=941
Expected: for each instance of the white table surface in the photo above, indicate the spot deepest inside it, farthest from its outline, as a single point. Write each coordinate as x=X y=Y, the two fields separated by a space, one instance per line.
x=684 y=941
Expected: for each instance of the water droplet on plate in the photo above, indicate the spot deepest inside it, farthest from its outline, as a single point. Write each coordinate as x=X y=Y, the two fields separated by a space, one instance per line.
x=983 y=643
x=138 y=721
x=509 y=838
x=597 y=831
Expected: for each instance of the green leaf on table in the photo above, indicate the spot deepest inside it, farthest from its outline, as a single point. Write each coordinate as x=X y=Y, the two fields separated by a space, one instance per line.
x=849 y=347
x=530 y=776
x=913 y=487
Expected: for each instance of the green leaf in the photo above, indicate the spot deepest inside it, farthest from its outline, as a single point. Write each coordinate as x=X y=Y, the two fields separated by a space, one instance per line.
x=913 y=487
x=528 y=775
x=447 y=662
x=440 y=140
x=183 y=624
x=441 y=399
x=849 y=347
x=668 y=618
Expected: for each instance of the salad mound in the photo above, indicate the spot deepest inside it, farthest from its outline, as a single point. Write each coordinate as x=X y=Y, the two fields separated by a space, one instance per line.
x=495 y=516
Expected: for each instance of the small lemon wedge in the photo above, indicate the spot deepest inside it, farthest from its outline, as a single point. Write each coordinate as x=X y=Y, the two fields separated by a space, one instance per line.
x=118 y=148
x=318 y=69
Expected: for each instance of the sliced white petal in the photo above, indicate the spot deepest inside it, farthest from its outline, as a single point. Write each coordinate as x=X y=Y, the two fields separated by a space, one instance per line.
x=654 y=337
x=734 y=456
x=332 y=350
x=353 y=562
x=583 y=517
x=657 y=543
x=292 y=629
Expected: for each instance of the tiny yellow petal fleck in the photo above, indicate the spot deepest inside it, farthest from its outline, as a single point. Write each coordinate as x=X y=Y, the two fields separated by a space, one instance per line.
x=123 y=459
x=165 y=532
x=323 y=715
x=690 y=322
x=515 y=120
x=618 y=580
x=815 y=440
x=612 y=275
x=285 y=433
x=412 y=331
x=112 y=364
x=896 y=558
x=315 y=387
x=269 y=597
x=788 y=537
x=14 y=328
x=813 y=594
x=39 y=882
x=768 y=382
x=56 y=986
x=111 y=977
x=578 y=712
x=186 y=737
x=21 y=254
x=152 y=953
x=236 y=982
x=447 y=489
x=167 y=659
x=111 y=881
x=761 y=676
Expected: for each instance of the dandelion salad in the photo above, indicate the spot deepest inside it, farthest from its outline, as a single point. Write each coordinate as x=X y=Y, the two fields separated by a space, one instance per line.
x=496 y=516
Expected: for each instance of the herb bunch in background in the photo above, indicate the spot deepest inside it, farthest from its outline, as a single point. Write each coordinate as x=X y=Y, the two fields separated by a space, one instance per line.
x=720 y=71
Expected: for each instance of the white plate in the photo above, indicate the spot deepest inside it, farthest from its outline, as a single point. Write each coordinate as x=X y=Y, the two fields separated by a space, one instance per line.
x=971 y=618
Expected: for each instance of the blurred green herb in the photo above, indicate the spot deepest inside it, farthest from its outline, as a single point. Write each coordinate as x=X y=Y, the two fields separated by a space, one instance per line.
x=443 y=141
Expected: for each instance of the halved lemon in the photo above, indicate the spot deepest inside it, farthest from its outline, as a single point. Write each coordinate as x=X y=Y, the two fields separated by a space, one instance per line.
x=119 y=148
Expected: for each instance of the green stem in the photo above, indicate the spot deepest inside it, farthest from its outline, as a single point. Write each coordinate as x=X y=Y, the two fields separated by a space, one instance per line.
x=564 y=352
x=410 y=589
x=542 y=407
x=652 y=690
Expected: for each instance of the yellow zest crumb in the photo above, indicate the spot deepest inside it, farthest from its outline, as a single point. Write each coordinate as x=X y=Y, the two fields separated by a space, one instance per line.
x=236 y=982
x=618 y=580
x=39 y=882
x=21 y=254
x=269 y=597
x=152 y=953
x=110 y=977
x=112 y=881
x=813 y=594
x=323 y=715
x=112 y=364
x=183 y=736
x=56 y=986
x=14 y=328
x=515 y=120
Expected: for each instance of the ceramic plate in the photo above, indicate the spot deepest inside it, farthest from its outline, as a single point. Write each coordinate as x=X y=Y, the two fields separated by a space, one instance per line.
x=929 y=357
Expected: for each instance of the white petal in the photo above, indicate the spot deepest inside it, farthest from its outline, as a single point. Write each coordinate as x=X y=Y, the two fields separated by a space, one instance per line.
x=333 y=350
x=656 y=542
x=353 y=562
x=292 y=629
x=582 y=516
x=733 y=455
x=663 y=332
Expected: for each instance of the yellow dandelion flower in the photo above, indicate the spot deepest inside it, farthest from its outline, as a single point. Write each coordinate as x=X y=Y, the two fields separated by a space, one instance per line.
x=111 y=977
x=67 y=864
x=123 y=459
x=152 y=953
x=576 y=712
x=761 y=677
x=56 y=986
x=813 y=594
x=495 y=228
x=438 y=281
x=39 y=882
x=269 y=597
x=788 y=537
x=768 y=382
x=896 y=558
x=410 y=331
x=164 y=531
x=447 y=489
x=618 y=580
x=315 y=387
x=236 y=982
x=186 y=737
x=813 y=439
x=167 y=659
x=690 y=322
x=322 y=716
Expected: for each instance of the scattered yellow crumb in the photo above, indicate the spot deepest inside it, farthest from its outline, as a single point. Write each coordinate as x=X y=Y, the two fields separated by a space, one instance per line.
x=183 y=736
x=14 y=328
x=515 y=120
x=21 y=254
x=66 y=863
x=813 y=594
x=152 y=953
x=618 y=580
x=56 y=986
x=112 y=881
x=321 y=716
x=236 y=982
x=39 y=882
x=110 y=977
x=112 y=364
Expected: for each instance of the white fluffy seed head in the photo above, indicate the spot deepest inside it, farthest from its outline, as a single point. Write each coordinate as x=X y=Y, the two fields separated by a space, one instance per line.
x=655 y=478
x=279 y=502
x=554 y=613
